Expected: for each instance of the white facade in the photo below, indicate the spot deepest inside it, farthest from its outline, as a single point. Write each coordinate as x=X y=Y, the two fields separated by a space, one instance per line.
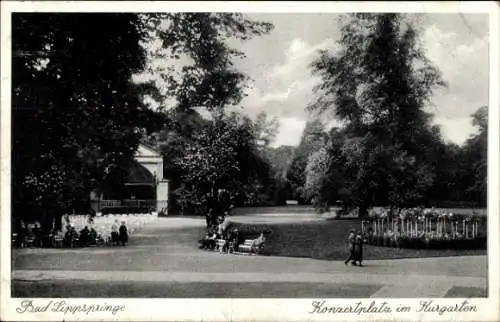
x=152 y=160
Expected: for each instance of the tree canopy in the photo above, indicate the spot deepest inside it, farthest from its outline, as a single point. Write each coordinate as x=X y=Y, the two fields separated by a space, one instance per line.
x=378 y=84
x=77 y=119
x=77 y=115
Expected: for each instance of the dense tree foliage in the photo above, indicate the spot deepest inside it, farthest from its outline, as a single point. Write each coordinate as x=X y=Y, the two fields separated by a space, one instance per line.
x=378 y=84
x=207 y=80
x=79 y=112
x=224 y=155
x=474 y=157
x=280 y=159
x=77 y=119
x=312 y=139
x=207 y=77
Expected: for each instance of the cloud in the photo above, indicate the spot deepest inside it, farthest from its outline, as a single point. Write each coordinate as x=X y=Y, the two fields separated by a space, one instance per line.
x=283 y=84
x=298 y=57
x=287 y=86
x=456 y=130
x=465 y=66
x=290 y=131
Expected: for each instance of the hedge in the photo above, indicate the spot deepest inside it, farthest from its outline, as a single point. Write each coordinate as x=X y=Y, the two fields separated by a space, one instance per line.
x=422 y=243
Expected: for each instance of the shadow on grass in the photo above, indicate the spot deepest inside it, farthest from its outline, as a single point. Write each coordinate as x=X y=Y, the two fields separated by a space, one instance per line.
x=327 y=240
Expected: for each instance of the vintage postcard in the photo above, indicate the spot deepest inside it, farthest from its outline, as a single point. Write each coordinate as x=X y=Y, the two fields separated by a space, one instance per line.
x=249 y=161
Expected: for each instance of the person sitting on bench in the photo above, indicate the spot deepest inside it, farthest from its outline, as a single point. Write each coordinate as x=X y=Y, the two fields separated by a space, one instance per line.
x=258 y=243
x=93 y=237
x=57 y=238
x=71 y=236
x=220 y=231
x=204 y=241
x=37 y=235
x=209 y=217
x=84 y=236
x=235 y=239
x=212 y=240
x=208 y=242
x=23 y=234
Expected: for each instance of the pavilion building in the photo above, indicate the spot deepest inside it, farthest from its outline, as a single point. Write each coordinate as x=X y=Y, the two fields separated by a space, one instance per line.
x=145 y=188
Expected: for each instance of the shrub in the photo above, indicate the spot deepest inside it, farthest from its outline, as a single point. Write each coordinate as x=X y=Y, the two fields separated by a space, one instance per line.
x=429 y=243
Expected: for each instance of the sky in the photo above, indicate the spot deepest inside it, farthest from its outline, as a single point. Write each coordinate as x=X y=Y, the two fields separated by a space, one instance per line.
x=282 y=82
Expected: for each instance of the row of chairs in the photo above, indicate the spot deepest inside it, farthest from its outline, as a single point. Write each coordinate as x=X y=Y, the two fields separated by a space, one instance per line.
x=103 y=226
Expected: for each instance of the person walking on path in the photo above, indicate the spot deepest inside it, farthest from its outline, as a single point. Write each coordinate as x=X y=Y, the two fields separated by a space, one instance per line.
x=351 y=239
x=358 y=249
x=209 y=218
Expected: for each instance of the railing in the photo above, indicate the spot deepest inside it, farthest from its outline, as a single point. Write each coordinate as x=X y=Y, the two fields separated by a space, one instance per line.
x=157 y=205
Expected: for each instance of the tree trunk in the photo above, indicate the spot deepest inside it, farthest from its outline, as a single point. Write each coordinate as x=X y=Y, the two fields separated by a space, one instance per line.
x=363 y=211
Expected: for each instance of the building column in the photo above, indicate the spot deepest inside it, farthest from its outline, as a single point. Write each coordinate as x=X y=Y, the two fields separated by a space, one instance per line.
x=162 y=197
x=95 y=198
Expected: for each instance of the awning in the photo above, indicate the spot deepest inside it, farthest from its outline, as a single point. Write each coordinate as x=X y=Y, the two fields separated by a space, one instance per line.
x=138 y=175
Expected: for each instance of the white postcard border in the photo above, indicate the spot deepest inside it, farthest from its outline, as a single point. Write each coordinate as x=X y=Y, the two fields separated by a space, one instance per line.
x=252 y=309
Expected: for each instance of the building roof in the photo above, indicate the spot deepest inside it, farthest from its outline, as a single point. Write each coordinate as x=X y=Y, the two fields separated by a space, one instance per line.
x=139 y=175
x=148 y=151
x=149 y=146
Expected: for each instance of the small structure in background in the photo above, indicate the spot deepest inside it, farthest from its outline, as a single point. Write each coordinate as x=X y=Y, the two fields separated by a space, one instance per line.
x=146 y=189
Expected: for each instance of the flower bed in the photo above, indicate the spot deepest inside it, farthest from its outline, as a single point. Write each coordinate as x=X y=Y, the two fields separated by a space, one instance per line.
x=420 y=228
x=404 y=241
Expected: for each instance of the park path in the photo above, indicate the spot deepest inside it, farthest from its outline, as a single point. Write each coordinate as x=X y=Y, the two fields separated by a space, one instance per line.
x=164 y=254
x=394 y=285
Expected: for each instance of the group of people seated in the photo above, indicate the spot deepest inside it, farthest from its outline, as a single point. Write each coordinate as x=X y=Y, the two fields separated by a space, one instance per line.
x=223 y=236
x=71 y=238
x=82 y=231
x=218 y=228
x=90 y=237
x=231 y=238
x=28 y=235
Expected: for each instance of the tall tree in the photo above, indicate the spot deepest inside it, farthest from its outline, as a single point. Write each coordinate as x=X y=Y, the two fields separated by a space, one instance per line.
x=475 y=157
x=265 y=129
x=195 y=64
x=77 y=119
x=223 y=156
x=312 y=140
x=206 y=76
x=378 y=84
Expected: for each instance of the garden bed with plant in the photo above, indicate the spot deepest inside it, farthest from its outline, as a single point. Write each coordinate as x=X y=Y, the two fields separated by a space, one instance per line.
x=327 y=240
x=420 y=228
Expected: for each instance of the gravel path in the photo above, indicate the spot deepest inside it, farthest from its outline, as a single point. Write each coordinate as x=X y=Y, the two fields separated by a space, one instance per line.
x=166 y=252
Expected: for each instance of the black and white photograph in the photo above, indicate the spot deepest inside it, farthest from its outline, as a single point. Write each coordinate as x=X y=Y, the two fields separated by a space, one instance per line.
x=235 y=154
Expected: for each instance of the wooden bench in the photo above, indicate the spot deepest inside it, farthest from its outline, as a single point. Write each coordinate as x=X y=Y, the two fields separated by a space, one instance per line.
x=247 y=247
x=29 y=241
x=58 y=241
x=220 y=244
x=15 y=240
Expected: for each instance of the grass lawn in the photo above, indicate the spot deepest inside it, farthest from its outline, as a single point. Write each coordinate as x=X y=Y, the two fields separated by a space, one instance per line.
x=326 y=240
x=295 y=209
x=62 y=289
